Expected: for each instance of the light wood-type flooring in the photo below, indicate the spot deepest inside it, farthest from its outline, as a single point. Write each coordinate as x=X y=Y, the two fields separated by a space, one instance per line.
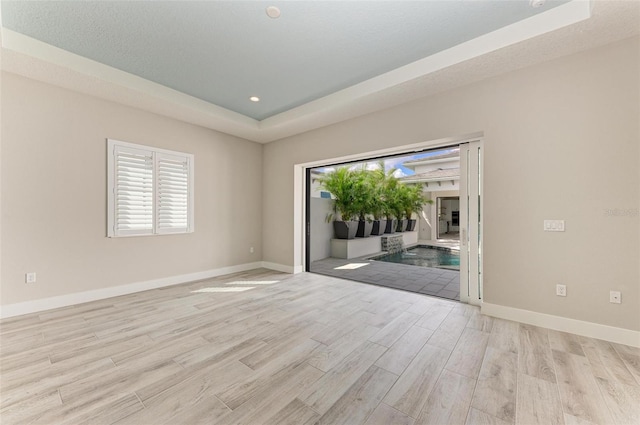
x=267 y=348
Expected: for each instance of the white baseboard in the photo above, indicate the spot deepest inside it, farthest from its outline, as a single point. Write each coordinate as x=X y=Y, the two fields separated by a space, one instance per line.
x=282 y=268
x=43 y=304
x=564 y=324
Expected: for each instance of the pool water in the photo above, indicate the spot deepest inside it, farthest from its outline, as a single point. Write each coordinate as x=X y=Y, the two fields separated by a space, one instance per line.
x=425 y=257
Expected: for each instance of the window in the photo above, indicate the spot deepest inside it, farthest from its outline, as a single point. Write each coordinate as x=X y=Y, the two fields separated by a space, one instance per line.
x=150 y=191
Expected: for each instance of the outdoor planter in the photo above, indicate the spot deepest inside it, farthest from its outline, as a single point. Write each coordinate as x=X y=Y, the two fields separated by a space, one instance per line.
x=364 y=229
x=345 y=229
x=378 y=227
x=391 y=226
x=411 y=225
x=365 y=193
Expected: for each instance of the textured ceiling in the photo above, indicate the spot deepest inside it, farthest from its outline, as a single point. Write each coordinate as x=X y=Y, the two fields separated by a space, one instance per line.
x=223 y=52
x=570 y=28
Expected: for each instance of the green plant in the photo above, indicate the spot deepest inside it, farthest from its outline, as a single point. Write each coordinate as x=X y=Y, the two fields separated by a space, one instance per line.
x=385 y=184
x=399 y=196
x=376 y=179
x=364 y=191
x=414 y=199
x=341 y=183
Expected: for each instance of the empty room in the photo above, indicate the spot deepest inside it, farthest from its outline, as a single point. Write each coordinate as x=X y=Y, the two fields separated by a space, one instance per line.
x=320 y=212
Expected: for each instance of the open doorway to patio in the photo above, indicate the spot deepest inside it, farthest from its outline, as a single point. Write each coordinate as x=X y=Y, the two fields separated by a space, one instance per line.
x=448 y=223
x=422 y=256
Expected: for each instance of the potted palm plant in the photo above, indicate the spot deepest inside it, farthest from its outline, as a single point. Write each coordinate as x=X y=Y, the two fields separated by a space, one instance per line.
x=387 y=184
x=341 y=183
x=378 y=211
x=363 y=201
x=399 y=204
x=414 y=201
x=378 y=207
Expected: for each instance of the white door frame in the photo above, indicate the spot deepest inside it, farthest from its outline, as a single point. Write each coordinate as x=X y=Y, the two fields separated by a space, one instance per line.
x=299 y=185
x=471 y=217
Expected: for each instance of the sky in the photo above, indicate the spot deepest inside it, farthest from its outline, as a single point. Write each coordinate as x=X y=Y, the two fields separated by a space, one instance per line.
x=389 y=163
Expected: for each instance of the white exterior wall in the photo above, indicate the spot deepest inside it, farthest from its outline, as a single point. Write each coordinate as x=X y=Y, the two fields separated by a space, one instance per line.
x=321 y=231
x=429 y=232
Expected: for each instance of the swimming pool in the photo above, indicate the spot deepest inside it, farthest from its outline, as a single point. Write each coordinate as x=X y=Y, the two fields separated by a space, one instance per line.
x=425 y=256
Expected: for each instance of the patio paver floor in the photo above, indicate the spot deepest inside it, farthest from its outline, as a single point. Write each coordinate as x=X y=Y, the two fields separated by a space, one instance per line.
x=423 y=280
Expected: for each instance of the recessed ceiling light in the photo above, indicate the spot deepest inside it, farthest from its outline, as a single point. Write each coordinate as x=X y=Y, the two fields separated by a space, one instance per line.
x=536 y=3
x=254 y=99
x=273 y=12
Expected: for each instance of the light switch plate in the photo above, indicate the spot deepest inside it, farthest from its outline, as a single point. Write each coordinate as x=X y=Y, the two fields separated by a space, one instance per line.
x=554 y=225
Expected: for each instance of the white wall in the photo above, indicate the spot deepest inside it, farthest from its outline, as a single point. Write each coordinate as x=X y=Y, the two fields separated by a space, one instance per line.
x=54 y=195
x=561 y=138
x=426 y=230
x=321 y=231
x=433 y=217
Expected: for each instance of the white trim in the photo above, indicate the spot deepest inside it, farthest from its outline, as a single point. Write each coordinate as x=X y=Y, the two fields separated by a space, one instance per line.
x=43 y=304
x=396 y=150
x=429 y=180
x=281 y=267
x=464 y=220
x=564 y=324
x=137 y=146
x=427 y=161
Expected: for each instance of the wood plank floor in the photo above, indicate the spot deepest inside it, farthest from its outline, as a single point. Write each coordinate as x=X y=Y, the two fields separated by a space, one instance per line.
x=267 y=348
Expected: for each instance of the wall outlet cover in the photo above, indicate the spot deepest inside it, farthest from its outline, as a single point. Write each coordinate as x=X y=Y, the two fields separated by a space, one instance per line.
x=615 y=297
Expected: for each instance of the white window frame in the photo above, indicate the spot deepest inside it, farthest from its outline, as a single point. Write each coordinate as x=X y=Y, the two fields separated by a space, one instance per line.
x=157 y=154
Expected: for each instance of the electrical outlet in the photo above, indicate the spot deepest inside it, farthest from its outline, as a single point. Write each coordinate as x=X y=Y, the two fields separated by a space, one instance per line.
x=251 y=250
x=554 y=225
x=30 y=277
x=615 y=297
x=561 y=290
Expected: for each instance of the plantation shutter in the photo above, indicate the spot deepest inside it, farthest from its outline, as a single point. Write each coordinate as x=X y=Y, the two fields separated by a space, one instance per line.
x=133 y=191
x=149 y=190
x=173 y=191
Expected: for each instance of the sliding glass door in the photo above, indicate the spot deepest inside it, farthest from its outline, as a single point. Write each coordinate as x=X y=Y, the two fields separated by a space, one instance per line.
x=471 y=222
